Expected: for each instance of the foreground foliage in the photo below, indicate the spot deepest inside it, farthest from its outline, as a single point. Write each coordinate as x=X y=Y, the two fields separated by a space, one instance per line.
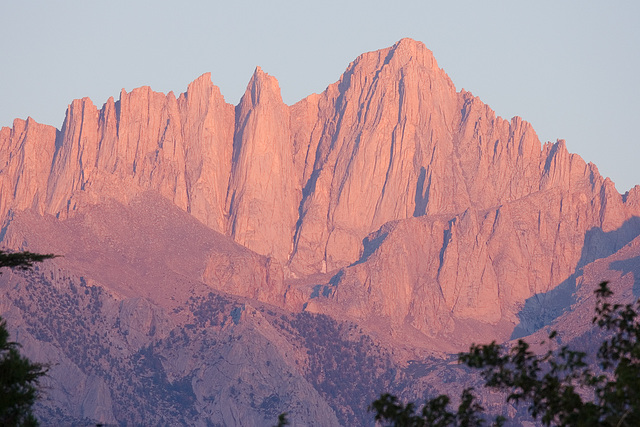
x=19 y=381
x=560 y=387
x=19 y=377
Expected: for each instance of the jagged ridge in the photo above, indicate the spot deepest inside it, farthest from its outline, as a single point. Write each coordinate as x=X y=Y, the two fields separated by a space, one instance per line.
x=305 y=184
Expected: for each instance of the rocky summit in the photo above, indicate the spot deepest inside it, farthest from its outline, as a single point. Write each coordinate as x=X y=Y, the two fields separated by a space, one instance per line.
x=223 y=264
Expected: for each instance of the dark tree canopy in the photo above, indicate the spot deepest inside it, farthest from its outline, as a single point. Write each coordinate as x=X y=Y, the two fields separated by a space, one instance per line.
x=19 y=382
x=283 y=420
x=19 y=377
x=21 y=260
x=558 y=387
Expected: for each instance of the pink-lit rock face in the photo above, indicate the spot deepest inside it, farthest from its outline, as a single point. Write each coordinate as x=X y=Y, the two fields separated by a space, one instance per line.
x=26 y=152
x=263 y=194
x=480 y=265
x=179 y=147
x=472 y=214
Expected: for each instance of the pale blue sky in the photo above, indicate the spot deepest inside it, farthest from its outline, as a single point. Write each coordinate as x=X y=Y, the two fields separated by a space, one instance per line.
x=568 y=67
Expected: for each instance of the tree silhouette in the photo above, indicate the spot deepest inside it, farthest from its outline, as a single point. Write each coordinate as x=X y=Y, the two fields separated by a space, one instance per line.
x=21 y=260
x=19 y=377
x=19 y=381
x=283 y=420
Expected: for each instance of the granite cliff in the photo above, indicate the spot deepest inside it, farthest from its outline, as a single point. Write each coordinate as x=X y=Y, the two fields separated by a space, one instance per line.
x=391 y=203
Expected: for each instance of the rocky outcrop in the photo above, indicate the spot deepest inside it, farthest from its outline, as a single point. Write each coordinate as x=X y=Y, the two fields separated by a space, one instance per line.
x=435 y=271
x=26 y=152
x=263 y=193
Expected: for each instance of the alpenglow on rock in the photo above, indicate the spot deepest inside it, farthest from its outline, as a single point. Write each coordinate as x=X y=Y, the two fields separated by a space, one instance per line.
x=502 y=216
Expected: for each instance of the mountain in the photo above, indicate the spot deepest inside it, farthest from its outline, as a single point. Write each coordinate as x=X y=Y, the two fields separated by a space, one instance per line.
x=224 y=264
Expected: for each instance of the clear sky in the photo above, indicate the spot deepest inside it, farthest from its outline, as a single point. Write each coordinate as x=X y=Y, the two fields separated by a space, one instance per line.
x=568 y=67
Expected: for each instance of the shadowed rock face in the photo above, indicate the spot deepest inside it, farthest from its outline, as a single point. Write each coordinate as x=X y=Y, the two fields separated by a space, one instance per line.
x=390 y=200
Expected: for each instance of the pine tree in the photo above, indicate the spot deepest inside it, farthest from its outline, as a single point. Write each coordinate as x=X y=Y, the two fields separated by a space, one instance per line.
x=19 y=377
x=19 y=382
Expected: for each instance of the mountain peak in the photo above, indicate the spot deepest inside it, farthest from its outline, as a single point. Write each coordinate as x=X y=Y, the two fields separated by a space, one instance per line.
x=409 y=44
x=202 y=87
x=263 y=77
x=262 y=87
x=407 y=60
x=203 y=81
x=408 y=50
